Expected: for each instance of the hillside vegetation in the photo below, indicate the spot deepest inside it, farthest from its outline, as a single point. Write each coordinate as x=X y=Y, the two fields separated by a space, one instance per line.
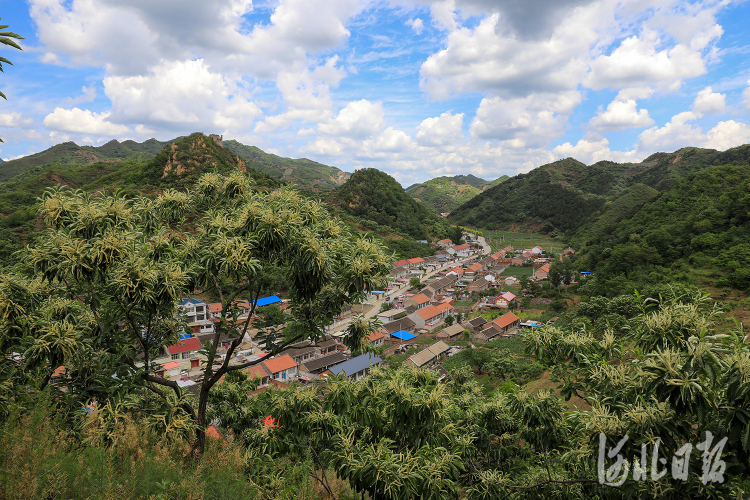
x=303 y=173
x=445 y=194
x=564 y=195
x=69 y=153
x=702 y=221
x=372 y=195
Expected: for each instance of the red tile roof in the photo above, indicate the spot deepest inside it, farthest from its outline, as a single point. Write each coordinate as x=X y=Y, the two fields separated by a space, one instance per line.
x=416 y=260
x=456 y=270
x=461 y=247
x=421 y=298
x=279 y=364
x=432 y=311
x=191 y=344
x=402 y=262
x=170 y=365
x=257 y=371
x=506 y=320
x=373 y=336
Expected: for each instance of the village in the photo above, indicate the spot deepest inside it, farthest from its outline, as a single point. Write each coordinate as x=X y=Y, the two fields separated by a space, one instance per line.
x=433 y=307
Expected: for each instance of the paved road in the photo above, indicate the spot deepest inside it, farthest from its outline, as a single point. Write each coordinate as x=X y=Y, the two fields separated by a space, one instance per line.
x=397 y=291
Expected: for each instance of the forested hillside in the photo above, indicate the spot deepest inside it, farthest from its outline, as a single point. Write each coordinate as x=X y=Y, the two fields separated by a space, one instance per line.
x=564 y=195
x=303 y=173
x=69 y=153
x=375 y=196
x=445 y=194
x=701 y=222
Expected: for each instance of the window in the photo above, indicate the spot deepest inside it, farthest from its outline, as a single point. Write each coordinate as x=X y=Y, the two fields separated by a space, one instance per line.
x=199 y=309
x=176 y=356
x=200 y=317
x=186 y=355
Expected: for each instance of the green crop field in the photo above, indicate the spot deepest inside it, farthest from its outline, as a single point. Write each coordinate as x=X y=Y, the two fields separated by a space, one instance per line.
x=501 y=239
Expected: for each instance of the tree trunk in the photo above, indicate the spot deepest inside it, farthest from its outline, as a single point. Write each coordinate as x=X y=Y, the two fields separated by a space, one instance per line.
x=199 y=445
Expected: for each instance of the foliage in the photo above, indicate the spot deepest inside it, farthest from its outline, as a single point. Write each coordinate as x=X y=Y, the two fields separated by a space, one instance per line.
x=302 y=173
x=5 y=39
x=701 y=221
x=416 y=284
x=444 y=194
x=110 y=270
x=376 y=196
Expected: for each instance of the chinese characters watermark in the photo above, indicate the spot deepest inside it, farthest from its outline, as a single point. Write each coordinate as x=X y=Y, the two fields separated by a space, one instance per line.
x=713 y=467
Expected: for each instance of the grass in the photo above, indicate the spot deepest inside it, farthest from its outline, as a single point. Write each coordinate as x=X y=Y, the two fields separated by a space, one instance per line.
x=518 y=271
x=464 y=303
x=501 y=239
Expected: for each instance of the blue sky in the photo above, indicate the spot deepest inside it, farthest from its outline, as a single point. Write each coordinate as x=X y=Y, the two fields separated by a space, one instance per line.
x=415 y=88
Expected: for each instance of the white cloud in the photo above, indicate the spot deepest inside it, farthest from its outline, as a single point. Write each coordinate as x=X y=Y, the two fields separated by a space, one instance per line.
x=727 y=134
x=14 y=120
x=416 y=24
x=129 y=36
x=390 y=140
x=620 y=115
x=593 y=151
x=637 y=62
x=358 y=120
x=676 y=134
x=708 y=102
x=83 y=121
x=89 y=94
x=524 y=122
x=441 y=130
x=306 y=95
x=180 y=94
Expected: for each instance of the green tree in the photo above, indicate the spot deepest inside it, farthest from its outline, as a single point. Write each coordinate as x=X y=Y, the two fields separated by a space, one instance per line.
x=449 y=320
x=5 y=39
x=416 y=284
x=128 y=262
x=386 y=306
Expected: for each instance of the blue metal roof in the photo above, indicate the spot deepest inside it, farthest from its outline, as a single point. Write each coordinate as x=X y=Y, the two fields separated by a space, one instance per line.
x=403 y=335
x=264 y=301
x=190 y=300
x=356 y=365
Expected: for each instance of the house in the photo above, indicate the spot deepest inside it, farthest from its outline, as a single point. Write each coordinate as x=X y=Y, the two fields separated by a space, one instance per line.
x=456 y=271
x=376 y=339
x=281 y=368
x=568 y=251
x=474 y=325
x=504 y=300
x=537 y=250
x=260 y=372
x=445 y=243
x=416 y=262
x=399 y=272
x=518 y=260
x=401 y=263
x=431 y=355
x=542 y=272
x=355 y=368
x=185 y=352
x=463 y=250
x=452 y=333
x=507 y=323
x=489 y=332
x=388 y=315
x=430 y=316
x=404 y=324
x=479 y=285
x=418 y=301
x=473 y=269
x=314 y=367
x=301 y=351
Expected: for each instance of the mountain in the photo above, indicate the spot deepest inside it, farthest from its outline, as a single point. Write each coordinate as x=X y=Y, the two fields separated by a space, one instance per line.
x=566 y=194
x=374 y=196
x=303 y=173
x=701 y=222
x=69 y=153
x=445 y=194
